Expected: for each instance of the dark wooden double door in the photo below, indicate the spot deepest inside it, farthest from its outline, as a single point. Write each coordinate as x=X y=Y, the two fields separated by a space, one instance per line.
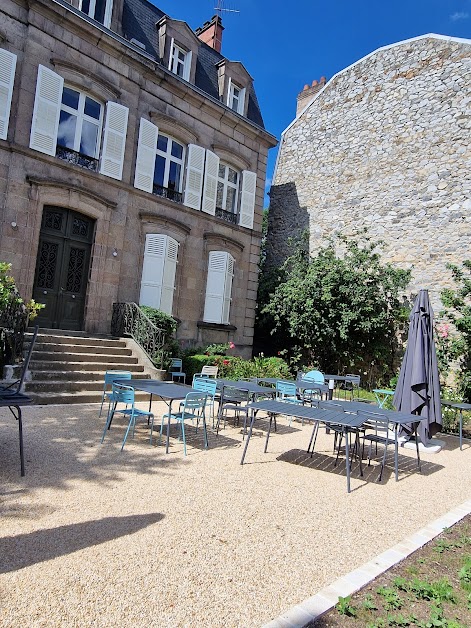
x=62 y=268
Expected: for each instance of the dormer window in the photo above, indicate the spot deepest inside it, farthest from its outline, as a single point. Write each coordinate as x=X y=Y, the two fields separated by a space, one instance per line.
x=180 y=61
x=99 y=10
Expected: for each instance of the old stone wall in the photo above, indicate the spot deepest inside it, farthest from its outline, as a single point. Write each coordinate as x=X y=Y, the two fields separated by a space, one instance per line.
x=387 y=146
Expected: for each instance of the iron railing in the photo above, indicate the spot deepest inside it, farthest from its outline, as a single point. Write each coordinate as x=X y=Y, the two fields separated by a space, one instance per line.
x=13 y=324
x=129 y=320
x=79 y=159
x=173 y=195
x=225 y=215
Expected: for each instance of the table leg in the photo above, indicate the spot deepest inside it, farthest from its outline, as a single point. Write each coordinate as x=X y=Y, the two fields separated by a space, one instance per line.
x=268 y=433
x=312 y=442
x=347 y=458
x=417 y=445
x=461 y=430
x=168 y=425
x=396 y=453
x=248 y=436
x=20 y=433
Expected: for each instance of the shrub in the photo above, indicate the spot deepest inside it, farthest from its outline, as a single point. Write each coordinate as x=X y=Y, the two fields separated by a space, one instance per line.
x=170 y=349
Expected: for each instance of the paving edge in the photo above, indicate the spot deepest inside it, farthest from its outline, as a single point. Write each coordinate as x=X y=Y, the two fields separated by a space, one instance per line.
x=315 y=606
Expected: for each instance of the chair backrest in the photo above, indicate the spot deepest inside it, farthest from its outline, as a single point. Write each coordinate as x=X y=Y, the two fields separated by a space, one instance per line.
x=195 y=401
x=315 y=376
x=353 y=379
x=377 y=422
x=15 y=387
x=285 y=389
x=231 y=394
x=123 y=394
x=176 y=364
x=209 y=371
x=205 y=384
x=112 y=376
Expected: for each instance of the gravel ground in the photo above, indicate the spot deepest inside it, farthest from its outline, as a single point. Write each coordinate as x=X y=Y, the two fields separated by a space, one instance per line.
x=93 y=536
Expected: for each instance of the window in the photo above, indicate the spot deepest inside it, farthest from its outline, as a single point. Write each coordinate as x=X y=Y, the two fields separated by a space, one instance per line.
x=99 y=10
x=79 y=123
x=236 y=98
x=228 y=186
x=219 y=287
x=168 y=167
x=180 y=61
x=158 y=272
x=67 y=124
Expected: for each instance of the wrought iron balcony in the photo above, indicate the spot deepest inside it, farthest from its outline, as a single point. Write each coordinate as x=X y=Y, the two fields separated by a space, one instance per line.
x=225 y=215
x=76 y=158
x=173 y=195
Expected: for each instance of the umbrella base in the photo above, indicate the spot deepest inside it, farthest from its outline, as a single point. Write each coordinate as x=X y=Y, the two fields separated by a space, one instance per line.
x=433 y=446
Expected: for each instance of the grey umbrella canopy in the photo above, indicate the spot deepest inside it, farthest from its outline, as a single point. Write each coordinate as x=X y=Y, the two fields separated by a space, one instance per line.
x=418 y=386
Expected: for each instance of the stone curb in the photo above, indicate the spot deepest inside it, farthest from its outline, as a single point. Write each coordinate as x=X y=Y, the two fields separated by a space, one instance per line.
x=315 y=606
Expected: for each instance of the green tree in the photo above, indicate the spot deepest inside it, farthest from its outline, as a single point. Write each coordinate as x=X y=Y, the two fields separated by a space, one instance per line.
x=338 y=311
x=457 y=303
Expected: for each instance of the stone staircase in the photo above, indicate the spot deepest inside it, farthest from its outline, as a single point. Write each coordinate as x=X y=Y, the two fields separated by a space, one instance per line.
x=69 y=367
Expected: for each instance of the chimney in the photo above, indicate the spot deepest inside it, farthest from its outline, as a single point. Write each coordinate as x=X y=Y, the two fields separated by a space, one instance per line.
x=308 y=92
x=211 y=33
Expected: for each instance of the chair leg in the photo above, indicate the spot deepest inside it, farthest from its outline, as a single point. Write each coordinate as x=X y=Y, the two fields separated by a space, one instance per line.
x=151 y=428
x=132 y=421
x=183 y=435
x=109 y=418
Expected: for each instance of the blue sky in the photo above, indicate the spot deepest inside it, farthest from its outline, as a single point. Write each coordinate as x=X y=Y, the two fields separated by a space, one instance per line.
x=285 y=45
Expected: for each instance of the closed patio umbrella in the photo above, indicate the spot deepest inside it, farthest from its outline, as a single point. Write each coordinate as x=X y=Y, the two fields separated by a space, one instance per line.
x=418 y=386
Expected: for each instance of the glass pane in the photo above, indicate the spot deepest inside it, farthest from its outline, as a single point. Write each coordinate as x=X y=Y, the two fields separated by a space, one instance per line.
x=89 y=138
x=180 y=68
x=70 y=98
x=86 y=6
x=92 y=108
x=232 y=176
x=100 y=10
x=159 y=170
x=177 y=150
x=230 y=200
x=174 y=176
x=66 y=131
x=222 y=171
x=220 y=195
x=162 y=143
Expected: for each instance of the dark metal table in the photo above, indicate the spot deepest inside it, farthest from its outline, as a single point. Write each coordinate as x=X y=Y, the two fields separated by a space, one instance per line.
x=346 y=420
x=253 y=388
x=167 y=391
x=15 y=402
x=458 y=405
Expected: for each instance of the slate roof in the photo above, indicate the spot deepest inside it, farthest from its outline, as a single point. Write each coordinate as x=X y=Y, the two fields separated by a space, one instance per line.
x=138 y=22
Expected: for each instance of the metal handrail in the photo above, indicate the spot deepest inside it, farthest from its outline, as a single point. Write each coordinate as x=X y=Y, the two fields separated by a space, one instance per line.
x=129 y=320
x=13 y=323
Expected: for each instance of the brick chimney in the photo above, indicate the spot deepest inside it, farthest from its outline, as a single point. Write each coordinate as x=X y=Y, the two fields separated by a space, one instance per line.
x=211 y=33
x=308 y=92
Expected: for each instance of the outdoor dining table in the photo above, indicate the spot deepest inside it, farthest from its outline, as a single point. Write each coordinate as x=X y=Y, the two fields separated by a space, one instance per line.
x=347 y=421
x=382 y=395
x=14 y=402
x=458 y=405
x=167 y=391
x=398 y=419
x=301 y=384
x=253 y=388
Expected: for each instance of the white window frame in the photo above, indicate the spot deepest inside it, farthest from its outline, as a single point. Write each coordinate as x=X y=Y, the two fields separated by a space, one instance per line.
x=167 y=155
x=91 y=11
x=236 y=97
x=81 y=116
x=228 y=184
x=174 y=62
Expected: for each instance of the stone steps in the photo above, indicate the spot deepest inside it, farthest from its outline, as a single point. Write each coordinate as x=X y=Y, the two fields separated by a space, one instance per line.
x=69 y=367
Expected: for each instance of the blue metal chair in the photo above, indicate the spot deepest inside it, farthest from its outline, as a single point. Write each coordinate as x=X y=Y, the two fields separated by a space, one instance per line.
x=286 y=391
x=175 y=369
x=316 y=377
x=125 y=394
x=110 y=377
x=194 y=407
x=207 y=385
x=234 y=400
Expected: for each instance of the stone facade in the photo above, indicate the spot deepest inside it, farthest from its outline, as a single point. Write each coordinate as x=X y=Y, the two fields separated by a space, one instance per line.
x=104 y=64
x=385 y=145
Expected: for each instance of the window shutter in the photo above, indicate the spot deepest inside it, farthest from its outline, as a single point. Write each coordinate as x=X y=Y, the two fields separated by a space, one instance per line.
x=210 y=186
x=170 y=57
x=241 y=105
x=114 y=140
x=215 y=287
x=108 y=13
x=168 y=281
x=194 y=176
x=247 y=200
x=228 y=289
x=145 y=160
x=46 y=112
x=7 y=78
x=153 y=270
x=187 y=68
x=228 y=99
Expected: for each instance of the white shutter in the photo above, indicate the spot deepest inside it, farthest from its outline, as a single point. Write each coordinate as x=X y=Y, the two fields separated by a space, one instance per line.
x=187 y=67
x=240 y=106
x=228 y=99
x=46 y=112
x=247 y=199
x=228 y=289
x=7 y=78
x=215 y=287
x=210 y=186
x=170 y=59
x=194 y=176
x=145 y=160
x=168 y=279
x=153 y=270
x=114 y=140
x=108 y=13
